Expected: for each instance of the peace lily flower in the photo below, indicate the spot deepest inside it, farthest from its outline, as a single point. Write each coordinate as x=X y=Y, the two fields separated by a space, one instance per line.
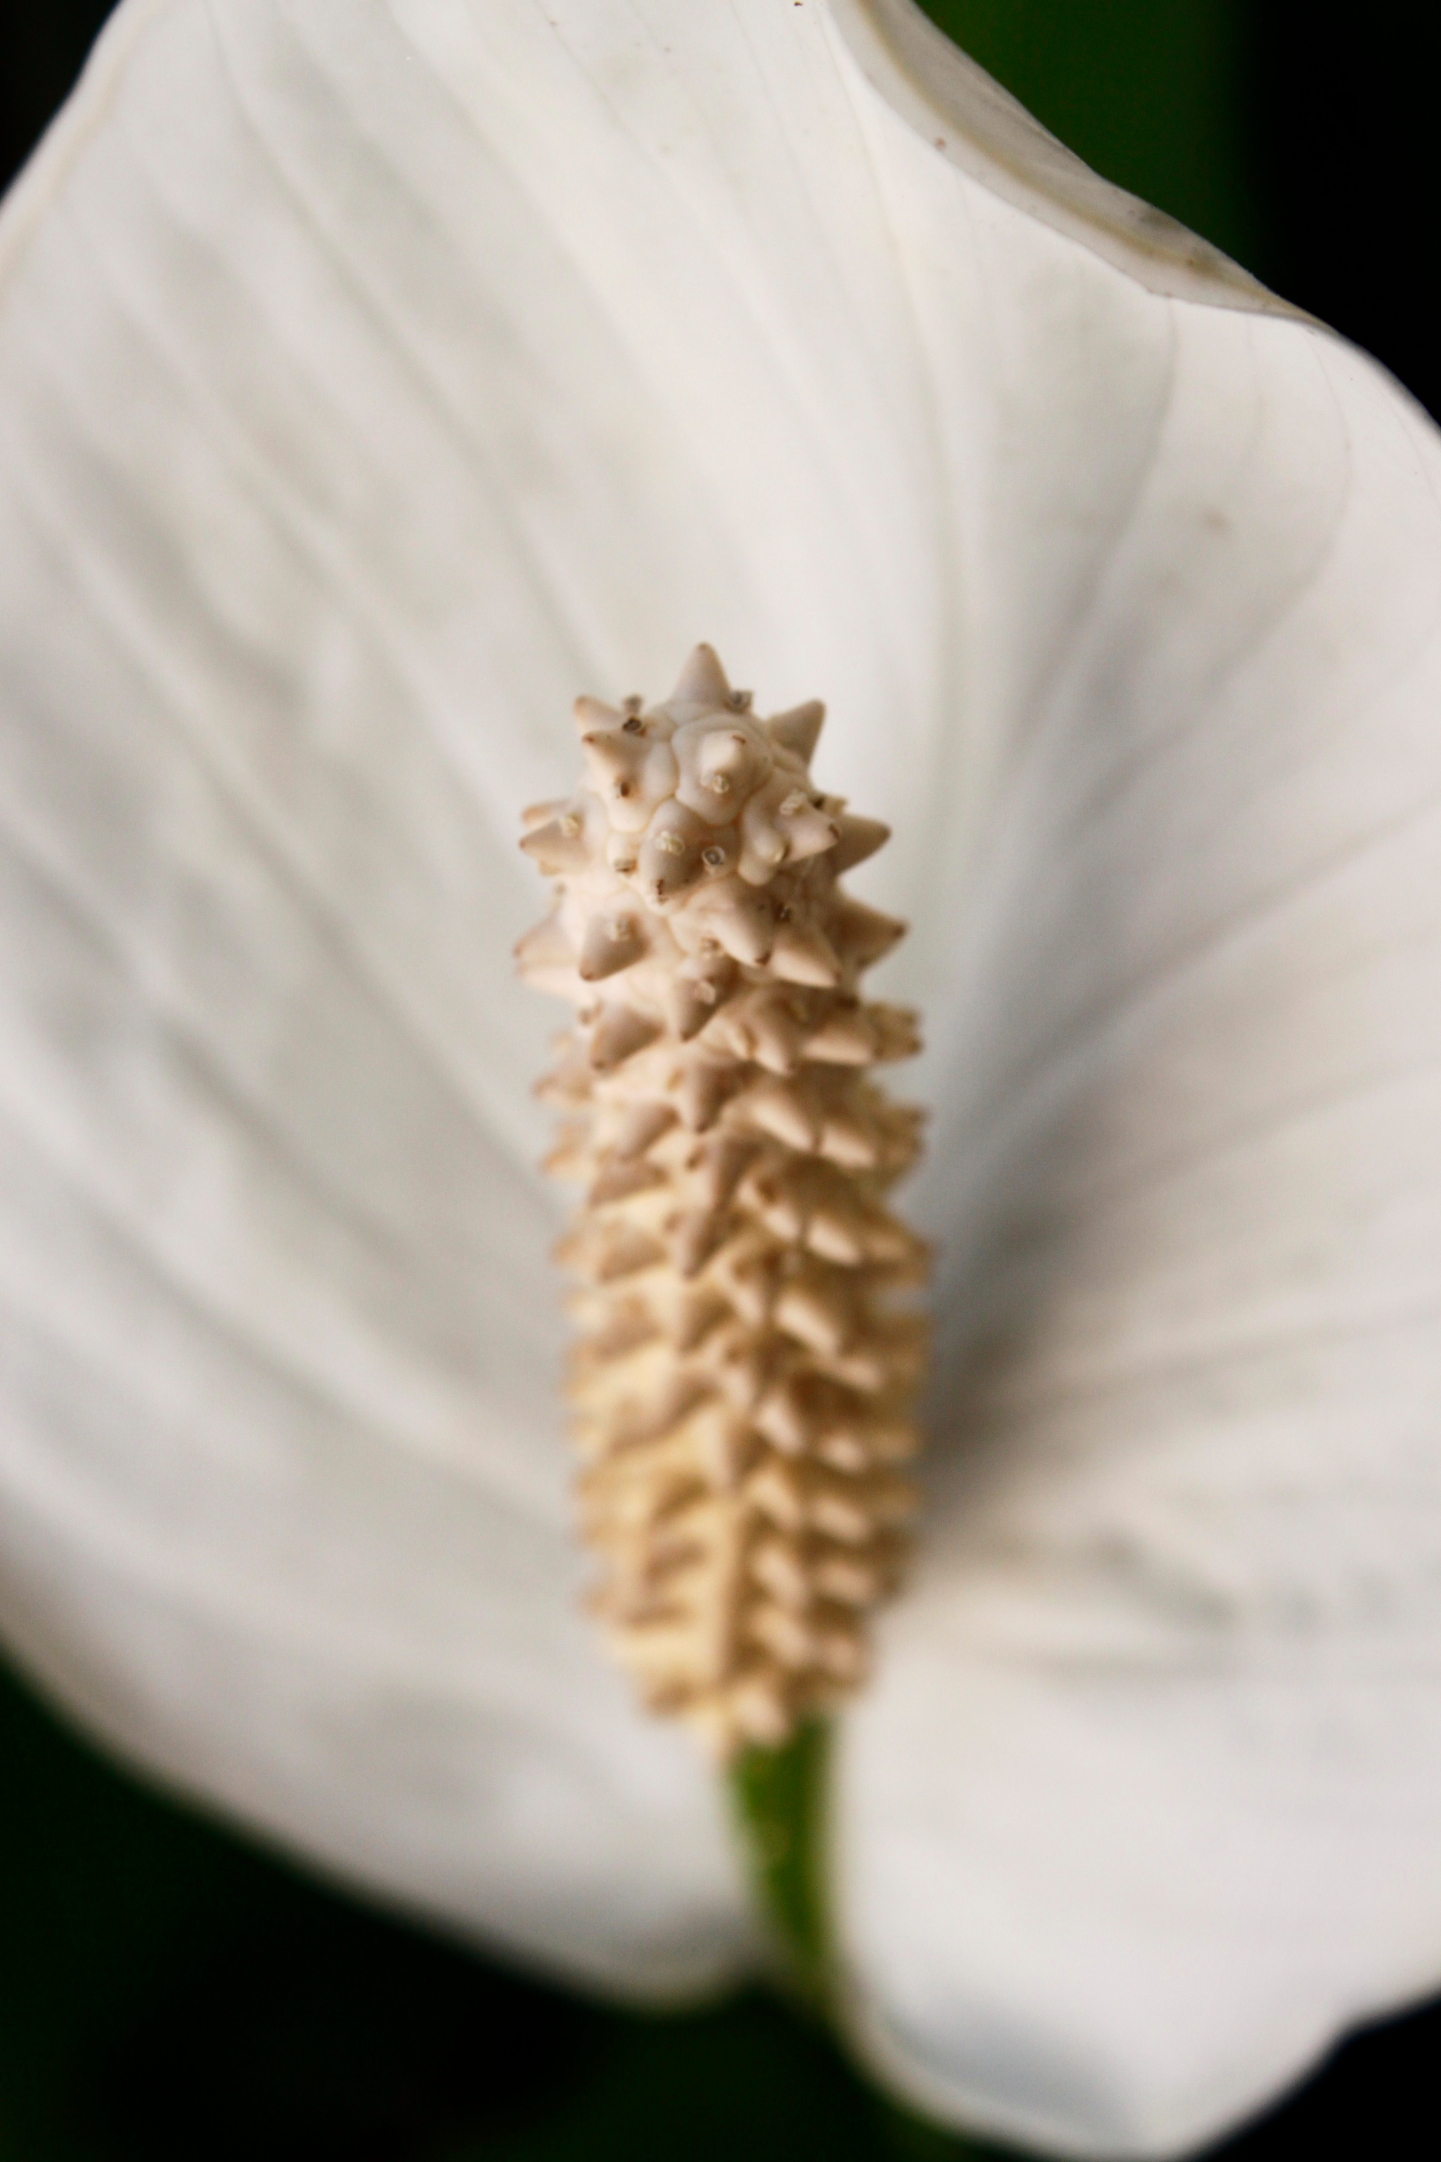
x=376 y=375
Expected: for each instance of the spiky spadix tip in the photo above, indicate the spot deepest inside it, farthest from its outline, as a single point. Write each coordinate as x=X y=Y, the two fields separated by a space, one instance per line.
x=743 y=1380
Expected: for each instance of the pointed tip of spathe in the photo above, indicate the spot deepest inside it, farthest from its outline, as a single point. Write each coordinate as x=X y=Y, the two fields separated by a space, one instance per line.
x=702 y=683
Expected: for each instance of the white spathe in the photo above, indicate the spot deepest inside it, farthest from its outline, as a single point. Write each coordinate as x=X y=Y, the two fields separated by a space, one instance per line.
x=372 y=378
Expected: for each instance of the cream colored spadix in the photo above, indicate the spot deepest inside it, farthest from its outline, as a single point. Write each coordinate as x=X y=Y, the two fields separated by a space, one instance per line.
x=742 y=1387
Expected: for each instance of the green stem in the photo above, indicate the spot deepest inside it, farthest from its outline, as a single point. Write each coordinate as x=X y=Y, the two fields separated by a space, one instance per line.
x=779 y=1800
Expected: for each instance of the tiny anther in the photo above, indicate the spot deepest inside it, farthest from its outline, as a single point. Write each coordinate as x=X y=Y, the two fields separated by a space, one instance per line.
x=634 y=726
x=721 y=783
x=795 y=801
x=625 y=865
x=713 y=857
x=570 y=825
x=740 y=702
x=632 y=702
x=670 y=843
x=621 y=927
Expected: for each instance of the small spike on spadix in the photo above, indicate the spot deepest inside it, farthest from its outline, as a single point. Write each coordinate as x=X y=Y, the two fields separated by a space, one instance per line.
x=702 y=682
x=860 y=838
x=799 y=730
x=743 y=1381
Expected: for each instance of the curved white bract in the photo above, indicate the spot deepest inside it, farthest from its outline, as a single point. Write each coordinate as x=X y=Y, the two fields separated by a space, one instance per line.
x=371 y=376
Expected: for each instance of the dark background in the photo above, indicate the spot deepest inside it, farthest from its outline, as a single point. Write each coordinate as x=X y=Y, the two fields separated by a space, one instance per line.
x=171 y=1994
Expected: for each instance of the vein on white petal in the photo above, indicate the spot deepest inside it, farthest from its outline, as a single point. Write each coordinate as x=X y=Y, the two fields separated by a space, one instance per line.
x=271 y=486
x=1192 y=1362
x=731 y=260
x=579 y=664
x=435 y=1329
x=1133 y=763
x=191 y=1048
x=1030 y=735
x=734 y=308
x=1223 y=1140
x=350 y=267
x=353 y=1393
x=1081 y=1033
x=952 y=569
x=73 y=883
x=491 y=1114
x=248 y=1596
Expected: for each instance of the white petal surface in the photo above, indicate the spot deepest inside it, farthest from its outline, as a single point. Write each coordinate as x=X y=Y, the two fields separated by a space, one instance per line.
x=371 y=378
x=1143 y=1807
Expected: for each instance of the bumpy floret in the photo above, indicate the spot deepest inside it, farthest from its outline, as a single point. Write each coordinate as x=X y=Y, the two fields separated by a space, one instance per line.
x=748 y=1350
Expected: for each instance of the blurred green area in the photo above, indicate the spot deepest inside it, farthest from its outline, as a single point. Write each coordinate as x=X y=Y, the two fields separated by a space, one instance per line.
x=1149 y=92
x=169 y=1993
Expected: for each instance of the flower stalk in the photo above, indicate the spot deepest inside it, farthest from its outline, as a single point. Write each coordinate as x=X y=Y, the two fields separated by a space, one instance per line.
x=779 y=1797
